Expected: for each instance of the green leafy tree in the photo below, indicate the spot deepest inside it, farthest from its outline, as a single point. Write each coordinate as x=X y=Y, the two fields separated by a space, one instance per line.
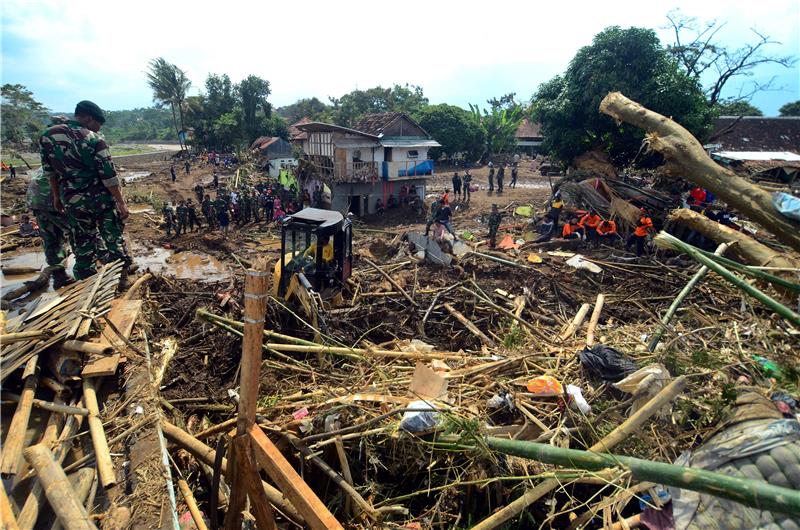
x=311 y=108
x=170 y=85
x=253 y=93
x=737 y=108
x=22 y=116
x=348 y=109
x=452 y=127
x=499 y=125
x=633 y=62
x=146 y=124
x=790 y=109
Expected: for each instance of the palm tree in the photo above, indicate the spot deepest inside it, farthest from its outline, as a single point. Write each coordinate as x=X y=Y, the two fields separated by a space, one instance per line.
x=169 y=84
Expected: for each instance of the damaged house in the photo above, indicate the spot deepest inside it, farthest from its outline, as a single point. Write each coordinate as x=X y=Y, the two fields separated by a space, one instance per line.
x=384 y=155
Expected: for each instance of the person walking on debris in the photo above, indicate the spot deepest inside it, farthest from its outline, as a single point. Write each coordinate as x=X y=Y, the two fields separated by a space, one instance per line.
x=457 y=186
x=514 y=171
x=501 y=174
x=194 y=221
x=207 y=207
x=198 y=192
x=494 y=225
x=639 y=235
x=172 y=174
x=53 y=227
x=183 y=218
x=269 y=205
x=467 y=181
x=12 y=172
x=491 y=176
x=572 y=230
x=169 y=219
x=215 y=181
x=443 y=215
x=85 y=186
x=607 y=232
x=221 y=209
x=589 y=223
x=435 y=205
x=255 y=200
x=187 y=166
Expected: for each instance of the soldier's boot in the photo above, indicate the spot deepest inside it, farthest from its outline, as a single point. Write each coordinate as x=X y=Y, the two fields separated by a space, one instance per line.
x=61 y=278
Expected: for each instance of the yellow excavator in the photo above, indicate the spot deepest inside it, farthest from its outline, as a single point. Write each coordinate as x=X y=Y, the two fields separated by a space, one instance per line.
x=316 y=260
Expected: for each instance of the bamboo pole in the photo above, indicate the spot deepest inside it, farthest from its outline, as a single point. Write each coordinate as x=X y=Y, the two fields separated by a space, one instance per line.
x=623 y=431
x=20 y=336
x=15 y=437
x=207 y=455
x=191 y=503
x=57 y=488
x=666 y=240
x=392 y=281
x=598 y=308
x=102 y=454
x=83 y=346
x=6 y=512
x=469 y=325
x=48 y=405
x=673 y=308
x=81 y=482
x=755 y=493
x=580 y=316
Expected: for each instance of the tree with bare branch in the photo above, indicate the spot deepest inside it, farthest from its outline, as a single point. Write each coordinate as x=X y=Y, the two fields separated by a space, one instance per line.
x=699 y=52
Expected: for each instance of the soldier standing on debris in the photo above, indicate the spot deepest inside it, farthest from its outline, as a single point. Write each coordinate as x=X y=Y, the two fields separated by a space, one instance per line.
x=221 y=209
x=198 y=192
x=639 y=235
x=494 y=224
x=207 y=207
x=12 y=172
x=269 y=205
x=255 y=200
x=53 y=227
x=443 y=215
x=183 y=218
x=467 y=181
x=435 y=205
x=514 y=171
x=501 y=173
x=172 y=173
x=169 y=218
x=491 y=176
x=192 y=212
x=187 y=166
x=215 y=182
x=457 y=186
x=84 y=185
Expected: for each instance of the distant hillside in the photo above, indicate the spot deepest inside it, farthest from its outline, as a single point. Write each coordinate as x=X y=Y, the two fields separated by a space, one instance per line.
x=147 y=124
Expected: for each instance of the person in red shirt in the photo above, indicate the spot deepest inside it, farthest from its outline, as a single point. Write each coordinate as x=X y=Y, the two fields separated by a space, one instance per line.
x=639 y=235
x=446 y=197
x=589 y=223
x=607 y=231
x=572 y=230
x=697 y=197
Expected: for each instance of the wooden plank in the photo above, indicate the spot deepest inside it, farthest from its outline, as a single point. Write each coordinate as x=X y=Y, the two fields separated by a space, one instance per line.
x=306 y=502
x=123 y=314
x=6 y=512
x=15 y=437
x=255 y=306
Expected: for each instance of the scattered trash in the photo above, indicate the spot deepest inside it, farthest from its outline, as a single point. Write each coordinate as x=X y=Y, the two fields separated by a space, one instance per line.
x=508 y=243
x=524 y=211
x=300 y=414
x=534 y=258
x=420 y=418
x=544 y=386
x=579 y=262
x=644 y=384
x=503 y=400
x=577 y=399
x=606 y=362
x=788 y=205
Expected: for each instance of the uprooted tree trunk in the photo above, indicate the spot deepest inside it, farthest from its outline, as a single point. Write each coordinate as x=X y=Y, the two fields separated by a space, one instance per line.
x=743 y=246
x=687 y=158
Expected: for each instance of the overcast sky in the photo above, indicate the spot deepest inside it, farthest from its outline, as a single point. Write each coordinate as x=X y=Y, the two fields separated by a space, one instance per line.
x=459 y=52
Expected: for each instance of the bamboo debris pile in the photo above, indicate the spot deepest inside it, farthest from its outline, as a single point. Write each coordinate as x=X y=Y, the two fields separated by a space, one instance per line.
x=335 y=407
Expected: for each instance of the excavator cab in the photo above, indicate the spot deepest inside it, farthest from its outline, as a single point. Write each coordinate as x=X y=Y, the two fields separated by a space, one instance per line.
x=317 y=255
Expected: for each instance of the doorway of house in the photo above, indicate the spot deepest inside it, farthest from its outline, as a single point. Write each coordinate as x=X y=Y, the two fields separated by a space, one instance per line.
x=355 y=205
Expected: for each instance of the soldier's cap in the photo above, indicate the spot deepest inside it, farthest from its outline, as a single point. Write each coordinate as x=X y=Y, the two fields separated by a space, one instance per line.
x=90 y=108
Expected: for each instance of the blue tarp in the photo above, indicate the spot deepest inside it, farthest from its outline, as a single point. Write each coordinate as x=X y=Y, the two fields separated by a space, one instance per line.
x=423 y=167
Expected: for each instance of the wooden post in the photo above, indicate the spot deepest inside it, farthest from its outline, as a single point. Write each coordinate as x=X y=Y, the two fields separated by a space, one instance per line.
x=255 y=307
x=313 y=510
x=6 y=512
x=57 y=488
x=15 y=439
x=87 y=347
x=598 y=308
x=102 y=454
x=191 y=503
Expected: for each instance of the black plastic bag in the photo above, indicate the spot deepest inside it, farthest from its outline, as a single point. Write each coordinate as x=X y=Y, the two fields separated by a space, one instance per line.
x=607 y=363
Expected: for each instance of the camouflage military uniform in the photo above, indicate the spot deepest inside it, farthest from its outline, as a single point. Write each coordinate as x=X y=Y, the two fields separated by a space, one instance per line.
x=80 y=161
x=183 y=219
x=208 y=211
x=169 y=218
x=494 y=224
x=432 y=217
x=255 y=201
x=53 y=226
x=221 y=207
x=193 y=219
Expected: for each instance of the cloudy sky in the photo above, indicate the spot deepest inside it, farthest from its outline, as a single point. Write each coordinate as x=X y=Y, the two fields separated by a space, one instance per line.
x=459 y=52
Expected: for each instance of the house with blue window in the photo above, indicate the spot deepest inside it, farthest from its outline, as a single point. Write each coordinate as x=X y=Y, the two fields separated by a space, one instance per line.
x=384 y=155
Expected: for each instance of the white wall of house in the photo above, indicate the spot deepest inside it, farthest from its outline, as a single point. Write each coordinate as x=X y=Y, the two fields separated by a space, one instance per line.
x=401 y=153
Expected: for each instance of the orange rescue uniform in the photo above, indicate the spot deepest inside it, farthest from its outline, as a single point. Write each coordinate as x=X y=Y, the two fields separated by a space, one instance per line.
x=644 y=226
x=607 y=228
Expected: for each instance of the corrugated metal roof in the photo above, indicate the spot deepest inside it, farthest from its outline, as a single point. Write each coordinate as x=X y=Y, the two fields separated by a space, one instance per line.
x=422 y=142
